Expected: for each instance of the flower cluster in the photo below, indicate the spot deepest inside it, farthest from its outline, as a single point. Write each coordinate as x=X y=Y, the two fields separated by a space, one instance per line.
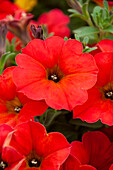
x=56 y=87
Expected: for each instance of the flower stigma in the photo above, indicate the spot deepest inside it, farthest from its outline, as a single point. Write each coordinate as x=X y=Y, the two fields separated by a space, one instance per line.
x=3 y=165
x=34 y=163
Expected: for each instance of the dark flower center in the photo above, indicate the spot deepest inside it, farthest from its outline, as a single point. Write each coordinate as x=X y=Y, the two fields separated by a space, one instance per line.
x=14 y=106
x=109 y=95
x=34 y=163
x=107 y=91
x=55 y=74
x=17 y=109
x=54 y=78
x=3 y=165
x=33 y=160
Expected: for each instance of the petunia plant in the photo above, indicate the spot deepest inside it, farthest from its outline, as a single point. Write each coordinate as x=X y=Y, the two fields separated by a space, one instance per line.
x=56 y=85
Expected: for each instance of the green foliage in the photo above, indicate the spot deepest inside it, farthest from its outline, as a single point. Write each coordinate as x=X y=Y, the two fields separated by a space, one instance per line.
x=86 y=31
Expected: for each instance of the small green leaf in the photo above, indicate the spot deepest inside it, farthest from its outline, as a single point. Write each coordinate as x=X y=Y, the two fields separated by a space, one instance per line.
x=79 y=16
x=105 y=3
x=76 y=37
x=85 y=10
x=4 y=58
x=73 y=11
x=87 y=50
x=65 y=38
x=85 y=40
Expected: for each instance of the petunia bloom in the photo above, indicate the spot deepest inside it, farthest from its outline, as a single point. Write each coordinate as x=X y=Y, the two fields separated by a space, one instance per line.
x=56 y=71
x=94 y=152
x=100 y=101
x=56 y=22
x=38 y=149
x=15 y=107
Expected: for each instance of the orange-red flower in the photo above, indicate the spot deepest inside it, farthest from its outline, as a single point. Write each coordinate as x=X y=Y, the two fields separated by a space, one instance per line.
x=56 y=71
x=100 y=101
x=7 y=8
x=94 y=152
x=38 y=149
x=15 y=107
x=56 y=22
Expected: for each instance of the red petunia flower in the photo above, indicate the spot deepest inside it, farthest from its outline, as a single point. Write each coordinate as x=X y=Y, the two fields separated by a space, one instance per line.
x=56 y=71
x=7 y=8
x=38 y=149
x=15 y=107
x=100 y=101
x=100 y=3
x=56 y=22
x=94 y=152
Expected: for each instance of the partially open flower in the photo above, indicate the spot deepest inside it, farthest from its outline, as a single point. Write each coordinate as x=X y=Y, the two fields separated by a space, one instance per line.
x=37 y=32
x=3 y=33
x=18 y=25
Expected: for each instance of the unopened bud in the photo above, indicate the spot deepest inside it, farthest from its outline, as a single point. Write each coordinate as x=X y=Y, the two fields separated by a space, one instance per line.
x=37 y=32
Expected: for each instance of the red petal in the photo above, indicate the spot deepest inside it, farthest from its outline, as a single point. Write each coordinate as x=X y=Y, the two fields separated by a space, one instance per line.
x=90 y=110
x=21 y=139
x=106 y=45
x=10 y=155
x=33 y=108
x=104 y=62
x=55 y=159
x=46 y=52
x=96 y=143
x=4 y=130
x=48 y=90
x=73 y=61
x=79 y=152
x=47 y=144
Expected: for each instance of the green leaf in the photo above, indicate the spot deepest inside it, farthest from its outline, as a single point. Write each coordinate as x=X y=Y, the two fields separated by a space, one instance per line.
x=79 y=16
x=86 y=31
x=83 y=123
x=96 y=13
x=109 y=29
